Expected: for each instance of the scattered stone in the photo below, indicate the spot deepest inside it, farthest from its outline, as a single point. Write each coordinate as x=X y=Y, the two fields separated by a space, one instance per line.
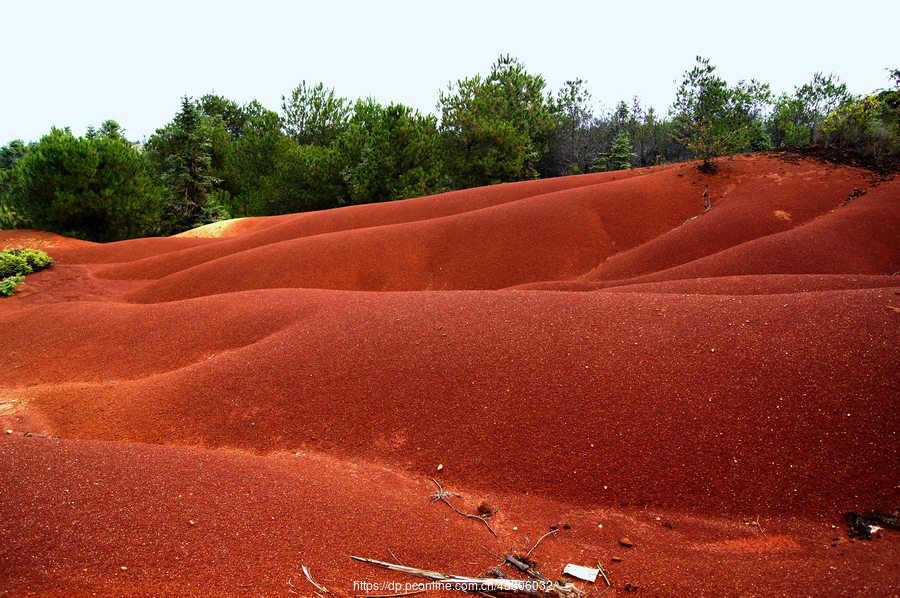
x=626 y=543
x=616 y=559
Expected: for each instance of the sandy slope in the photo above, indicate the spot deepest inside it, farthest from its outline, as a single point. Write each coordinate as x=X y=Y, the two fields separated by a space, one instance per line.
x=718 y=385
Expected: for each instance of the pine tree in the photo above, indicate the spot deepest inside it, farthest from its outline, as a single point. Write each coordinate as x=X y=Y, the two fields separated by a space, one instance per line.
x=183 y=152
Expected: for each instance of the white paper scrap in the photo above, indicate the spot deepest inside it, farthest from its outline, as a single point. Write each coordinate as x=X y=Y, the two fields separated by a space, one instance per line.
x=585 y=573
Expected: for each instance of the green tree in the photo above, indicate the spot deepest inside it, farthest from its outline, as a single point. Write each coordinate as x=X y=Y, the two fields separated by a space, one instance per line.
x=231 y=116
x=254 y=157
x=652 y=140
x=98 y=189
x=109 y=129
x=10 y=154
x=713 y=119
x=388 y=153
x=575 y=142
x=224 y=121
x=891 y=111
x=314 y=115
x=495 y=130
x=795 y=119
x=303 y=178
x=619 y=156
x=183 y=153
x=869 y=125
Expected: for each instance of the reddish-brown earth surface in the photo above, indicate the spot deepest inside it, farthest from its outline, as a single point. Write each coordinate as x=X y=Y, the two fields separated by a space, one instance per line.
x=205 y=415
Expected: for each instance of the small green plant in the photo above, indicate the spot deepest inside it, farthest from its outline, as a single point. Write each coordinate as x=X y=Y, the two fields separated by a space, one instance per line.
x=22 y=261
x=16 y=263
x=9 y=285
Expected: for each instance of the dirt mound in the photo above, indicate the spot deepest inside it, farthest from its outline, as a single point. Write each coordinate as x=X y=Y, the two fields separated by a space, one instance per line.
x=26 y=237
x=705 y=364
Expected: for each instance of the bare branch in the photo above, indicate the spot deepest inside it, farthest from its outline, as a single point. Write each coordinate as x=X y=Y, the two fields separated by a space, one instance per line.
x=550 y=533
x=442 y=496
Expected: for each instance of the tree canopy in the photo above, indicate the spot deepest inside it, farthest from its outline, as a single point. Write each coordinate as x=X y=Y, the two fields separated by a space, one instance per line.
x=97 y=189
x=217 y=159
x=495 y=130
x=712 y=118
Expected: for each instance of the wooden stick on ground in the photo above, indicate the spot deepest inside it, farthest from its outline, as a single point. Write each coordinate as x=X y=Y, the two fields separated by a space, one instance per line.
x=486 y=585
x=605 y=578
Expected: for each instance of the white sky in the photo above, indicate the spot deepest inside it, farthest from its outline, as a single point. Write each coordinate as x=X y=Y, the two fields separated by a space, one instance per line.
x=74 y=64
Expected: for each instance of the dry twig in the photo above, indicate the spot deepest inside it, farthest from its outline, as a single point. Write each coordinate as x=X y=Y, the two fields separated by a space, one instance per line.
x=442 y=495
x=492 y=554
x=760 y=528
x=605 y=578
x=314 y=582
x=550 y=533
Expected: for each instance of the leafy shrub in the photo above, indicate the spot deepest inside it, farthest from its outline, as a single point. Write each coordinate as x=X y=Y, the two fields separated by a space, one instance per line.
x=869 y=125
x=22 y=261
x=861 y=126
x=9 y=285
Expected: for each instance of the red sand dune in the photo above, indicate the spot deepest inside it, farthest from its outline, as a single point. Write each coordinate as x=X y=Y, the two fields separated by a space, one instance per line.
x=209 y=414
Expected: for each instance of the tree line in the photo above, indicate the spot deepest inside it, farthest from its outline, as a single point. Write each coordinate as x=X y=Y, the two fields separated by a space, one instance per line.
x=217 y=159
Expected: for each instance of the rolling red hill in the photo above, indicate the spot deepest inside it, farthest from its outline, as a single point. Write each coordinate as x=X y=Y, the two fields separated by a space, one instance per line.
x=706 y=364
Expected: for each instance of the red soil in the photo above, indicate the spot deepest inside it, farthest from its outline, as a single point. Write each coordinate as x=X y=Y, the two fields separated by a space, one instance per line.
x=208 y=414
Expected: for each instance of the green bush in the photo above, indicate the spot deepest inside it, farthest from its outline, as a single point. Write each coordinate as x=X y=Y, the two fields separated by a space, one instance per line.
x=863 y=126
x=22 y=261
x=870 y=124
x=9 y=285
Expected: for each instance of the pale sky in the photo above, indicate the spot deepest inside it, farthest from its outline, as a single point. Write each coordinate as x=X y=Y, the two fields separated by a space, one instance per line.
x=75 y=64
